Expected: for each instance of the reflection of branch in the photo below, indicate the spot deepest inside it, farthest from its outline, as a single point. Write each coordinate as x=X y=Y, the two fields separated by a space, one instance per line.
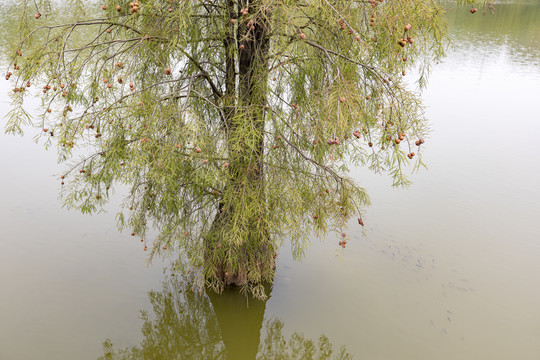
x=185 y=325
x=276 y=346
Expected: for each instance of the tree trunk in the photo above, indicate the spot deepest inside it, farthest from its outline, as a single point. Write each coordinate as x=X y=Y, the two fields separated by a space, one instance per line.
x=240 y=226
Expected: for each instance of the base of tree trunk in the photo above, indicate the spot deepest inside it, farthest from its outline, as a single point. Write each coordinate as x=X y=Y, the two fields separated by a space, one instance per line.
x=240 y=278
x=251 y=271
x=250 y=264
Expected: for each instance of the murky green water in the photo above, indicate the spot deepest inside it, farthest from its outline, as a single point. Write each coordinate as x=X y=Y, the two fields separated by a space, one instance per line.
x=448 y=269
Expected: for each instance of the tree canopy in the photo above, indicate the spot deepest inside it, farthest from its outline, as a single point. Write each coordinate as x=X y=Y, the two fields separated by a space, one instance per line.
x=233 y=123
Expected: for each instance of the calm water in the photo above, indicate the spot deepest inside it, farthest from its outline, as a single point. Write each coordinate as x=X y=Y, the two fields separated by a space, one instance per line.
x=448 y=269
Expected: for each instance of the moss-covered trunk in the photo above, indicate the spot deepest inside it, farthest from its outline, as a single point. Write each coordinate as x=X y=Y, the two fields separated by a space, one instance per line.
x=245 y=254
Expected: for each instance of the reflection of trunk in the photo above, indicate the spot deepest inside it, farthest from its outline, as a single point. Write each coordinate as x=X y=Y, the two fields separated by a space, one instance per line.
x=244 y=206
x=240 y=323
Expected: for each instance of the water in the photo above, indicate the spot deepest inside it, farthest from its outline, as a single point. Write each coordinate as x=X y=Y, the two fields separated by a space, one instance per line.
x=449 y=268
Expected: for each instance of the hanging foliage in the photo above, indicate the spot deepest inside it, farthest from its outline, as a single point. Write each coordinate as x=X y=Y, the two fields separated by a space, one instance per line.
x=233 y=123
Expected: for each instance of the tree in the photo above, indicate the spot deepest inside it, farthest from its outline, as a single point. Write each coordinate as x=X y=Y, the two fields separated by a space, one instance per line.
x=233 y=123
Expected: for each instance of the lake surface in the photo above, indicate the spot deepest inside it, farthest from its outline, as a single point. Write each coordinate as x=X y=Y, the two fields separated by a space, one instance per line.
x=448 y=268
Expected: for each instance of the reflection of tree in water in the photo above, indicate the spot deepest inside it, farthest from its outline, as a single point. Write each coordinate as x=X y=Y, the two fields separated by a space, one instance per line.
x=275 y=346
x=186 y=325
x=183 y=327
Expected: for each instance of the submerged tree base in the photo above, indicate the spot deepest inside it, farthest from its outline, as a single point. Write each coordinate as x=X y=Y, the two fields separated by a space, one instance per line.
x=240 y=278
x=250 y=266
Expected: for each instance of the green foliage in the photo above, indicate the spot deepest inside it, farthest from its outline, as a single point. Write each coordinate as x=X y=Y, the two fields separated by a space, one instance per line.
x=233 y=126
